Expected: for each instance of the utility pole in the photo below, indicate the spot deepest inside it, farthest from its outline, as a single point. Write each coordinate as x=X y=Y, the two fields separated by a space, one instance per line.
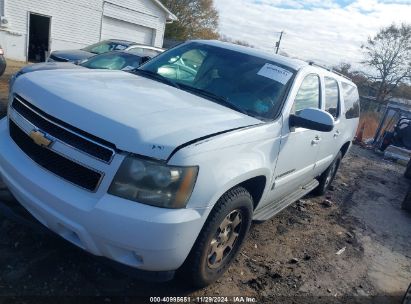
x=277 y=44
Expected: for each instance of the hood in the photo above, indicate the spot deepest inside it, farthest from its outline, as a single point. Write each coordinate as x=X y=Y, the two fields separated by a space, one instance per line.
x=72 y=55
x=48 y=66
x=136 y=114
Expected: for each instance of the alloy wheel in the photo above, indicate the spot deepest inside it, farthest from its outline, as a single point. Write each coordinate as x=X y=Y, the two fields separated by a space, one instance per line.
x=224 y=239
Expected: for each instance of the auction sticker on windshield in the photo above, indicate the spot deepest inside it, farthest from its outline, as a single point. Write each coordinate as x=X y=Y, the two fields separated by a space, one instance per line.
x=275 y=73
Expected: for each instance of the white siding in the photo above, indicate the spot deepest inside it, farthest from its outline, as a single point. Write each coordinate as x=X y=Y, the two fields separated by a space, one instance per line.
x=119 y=29
x=75 y=23
x=142 y=12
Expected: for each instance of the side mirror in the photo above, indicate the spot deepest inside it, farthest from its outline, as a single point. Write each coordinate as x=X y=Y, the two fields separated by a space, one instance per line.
x=145 y=59
x=313 y=119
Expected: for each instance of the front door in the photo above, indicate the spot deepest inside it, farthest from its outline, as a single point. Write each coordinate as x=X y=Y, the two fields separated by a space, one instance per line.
x=331 y=141
x=299 y=146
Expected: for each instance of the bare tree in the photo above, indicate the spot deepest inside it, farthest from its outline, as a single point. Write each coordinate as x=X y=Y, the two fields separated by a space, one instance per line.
x=358 y=77
x=283 y=53
x=402 y=91
x=389 y=55
x=344 y=68
x=239 y=42
x=197 y=19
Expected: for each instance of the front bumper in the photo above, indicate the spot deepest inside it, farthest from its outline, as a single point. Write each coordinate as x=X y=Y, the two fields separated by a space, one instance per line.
x=137 y=235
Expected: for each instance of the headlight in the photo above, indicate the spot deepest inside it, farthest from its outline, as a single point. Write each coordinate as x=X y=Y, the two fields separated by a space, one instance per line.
x=11 y=82
x=154 y=183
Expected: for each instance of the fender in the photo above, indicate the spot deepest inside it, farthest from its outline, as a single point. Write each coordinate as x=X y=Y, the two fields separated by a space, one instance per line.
x=229 y=159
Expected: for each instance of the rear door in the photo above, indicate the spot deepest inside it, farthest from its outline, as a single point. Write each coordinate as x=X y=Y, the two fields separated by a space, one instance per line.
x=299 y=146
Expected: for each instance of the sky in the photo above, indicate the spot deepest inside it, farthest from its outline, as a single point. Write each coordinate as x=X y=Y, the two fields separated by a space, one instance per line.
x=326 y=31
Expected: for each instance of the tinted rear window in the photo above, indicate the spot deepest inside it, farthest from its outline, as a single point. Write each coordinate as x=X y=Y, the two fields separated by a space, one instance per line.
x=351 y=101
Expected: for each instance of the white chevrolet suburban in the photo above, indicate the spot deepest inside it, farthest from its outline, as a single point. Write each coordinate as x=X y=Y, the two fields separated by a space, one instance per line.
x=165 y=168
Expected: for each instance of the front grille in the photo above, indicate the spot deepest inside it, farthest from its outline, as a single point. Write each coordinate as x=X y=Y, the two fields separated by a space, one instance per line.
x=55 y=163
x=68 y=134
x=55 y=58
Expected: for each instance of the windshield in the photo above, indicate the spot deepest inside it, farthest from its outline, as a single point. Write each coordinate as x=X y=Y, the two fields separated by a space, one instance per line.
x=105 y=46
x=249 y=84
x=113 y=61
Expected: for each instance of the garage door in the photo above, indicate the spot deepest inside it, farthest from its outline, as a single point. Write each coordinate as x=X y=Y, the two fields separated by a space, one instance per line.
x=118 y=29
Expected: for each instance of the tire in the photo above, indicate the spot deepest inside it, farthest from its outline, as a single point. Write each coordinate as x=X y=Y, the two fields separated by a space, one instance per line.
x=328 y=175
x=407 y=173
x=407 y=296
x=406 y=203
x=3 y=65
x=203 y=265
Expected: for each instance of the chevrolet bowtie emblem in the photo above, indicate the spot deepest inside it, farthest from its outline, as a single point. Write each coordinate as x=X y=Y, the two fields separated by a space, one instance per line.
x=40 y=138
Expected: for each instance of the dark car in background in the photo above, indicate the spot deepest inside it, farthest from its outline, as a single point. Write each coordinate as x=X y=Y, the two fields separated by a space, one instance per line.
x=102 y=47
x=2 y=61
x=119 y=60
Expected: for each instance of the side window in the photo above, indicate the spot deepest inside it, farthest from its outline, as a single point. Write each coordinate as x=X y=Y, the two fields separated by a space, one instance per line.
x=332 y=97
x=308 y=95
x=351 y=101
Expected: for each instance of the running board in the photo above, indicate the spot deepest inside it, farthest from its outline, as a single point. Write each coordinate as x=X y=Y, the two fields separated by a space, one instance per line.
x=271 y=209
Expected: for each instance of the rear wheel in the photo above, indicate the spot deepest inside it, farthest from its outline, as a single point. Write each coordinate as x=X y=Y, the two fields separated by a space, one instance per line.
x=328 y=176
x=406 y=203
x=220 y=239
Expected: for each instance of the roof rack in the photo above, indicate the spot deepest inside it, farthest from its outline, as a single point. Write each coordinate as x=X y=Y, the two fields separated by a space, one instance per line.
x=328 y=69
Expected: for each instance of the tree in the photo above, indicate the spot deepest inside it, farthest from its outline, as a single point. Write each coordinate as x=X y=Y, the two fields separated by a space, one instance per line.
x=358 y=77
x=239 y=42
x=388 y=54
x=197 y=19
x=344 y=68
x=402 y=91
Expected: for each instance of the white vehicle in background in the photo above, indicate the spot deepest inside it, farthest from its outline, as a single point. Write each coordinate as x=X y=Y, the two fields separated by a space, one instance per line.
x=165 y=169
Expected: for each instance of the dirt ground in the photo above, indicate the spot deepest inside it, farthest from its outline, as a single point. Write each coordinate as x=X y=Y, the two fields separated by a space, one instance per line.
x=12 y=67
x=352 y=248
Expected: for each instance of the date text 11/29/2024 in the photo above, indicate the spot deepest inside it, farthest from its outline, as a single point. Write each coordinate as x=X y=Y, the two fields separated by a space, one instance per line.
x=204 y=299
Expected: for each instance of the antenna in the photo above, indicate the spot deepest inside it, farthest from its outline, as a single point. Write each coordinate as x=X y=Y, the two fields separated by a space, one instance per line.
x=277 y=44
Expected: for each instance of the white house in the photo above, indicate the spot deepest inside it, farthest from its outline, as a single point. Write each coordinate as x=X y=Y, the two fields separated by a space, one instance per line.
x=51 y=25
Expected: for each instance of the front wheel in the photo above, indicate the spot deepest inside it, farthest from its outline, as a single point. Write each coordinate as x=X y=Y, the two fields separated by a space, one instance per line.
x=328 y=176
x=220 y=239
x=407 y=173
x=407 y=296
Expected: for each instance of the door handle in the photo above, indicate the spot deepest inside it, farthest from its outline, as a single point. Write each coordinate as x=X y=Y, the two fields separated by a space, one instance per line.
x=337 y=133
x=316 y=140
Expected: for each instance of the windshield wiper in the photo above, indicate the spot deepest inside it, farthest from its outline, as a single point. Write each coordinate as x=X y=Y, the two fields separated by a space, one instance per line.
x=216 y=98
x=155 y=76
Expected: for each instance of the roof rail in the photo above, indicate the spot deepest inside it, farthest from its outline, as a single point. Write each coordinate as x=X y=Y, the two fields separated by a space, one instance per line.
x=329 y=69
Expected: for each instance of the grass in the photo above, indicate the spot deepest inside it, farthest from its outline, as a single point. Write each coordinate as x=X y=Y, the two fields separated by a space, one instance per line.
x=369 y=122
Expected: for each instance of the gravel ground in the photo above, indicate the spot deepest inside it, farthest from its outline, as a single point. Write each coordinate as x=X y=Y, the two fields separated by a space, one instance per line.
x=291 y=258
